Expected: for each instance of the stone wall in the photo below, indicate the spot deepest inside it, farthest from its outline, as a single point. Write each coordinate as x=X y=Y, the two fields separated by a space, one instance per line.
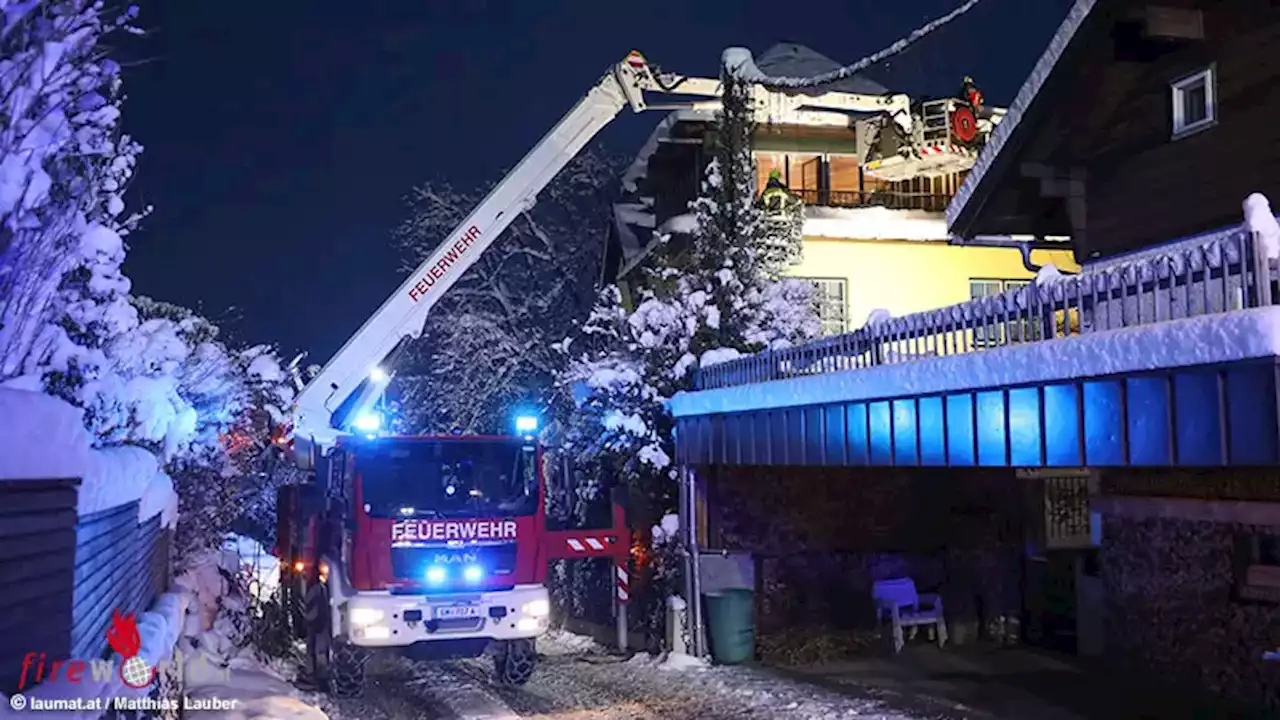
x=821 y=536
x=1172 y=608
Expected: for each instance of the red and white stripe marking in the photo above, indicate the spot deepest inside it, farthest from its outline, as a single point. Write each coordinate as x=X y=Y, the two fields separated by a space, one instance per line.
x=623 y=584
x=940 y=149
x=585 y=544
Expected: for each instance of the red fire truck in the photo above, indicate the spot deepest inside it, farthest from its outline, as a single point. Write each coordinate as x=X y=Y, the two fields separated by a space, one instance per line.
x=438 y=546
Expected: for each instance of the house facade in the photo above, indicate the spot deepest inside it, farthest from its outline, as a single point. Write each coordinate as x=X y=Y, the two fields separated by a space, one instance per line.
x=1096 y=454
x=875 y=234
x=1132 y=100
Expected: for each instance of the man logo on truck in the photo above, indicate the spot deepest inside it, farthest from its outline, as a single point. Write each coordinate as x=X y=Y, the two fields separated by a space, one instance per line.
x=447 y=558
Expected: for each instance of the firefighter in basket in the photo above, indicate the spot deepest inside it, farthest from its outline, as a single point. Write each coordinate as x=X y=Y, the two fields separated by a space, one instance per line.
x=970 y=93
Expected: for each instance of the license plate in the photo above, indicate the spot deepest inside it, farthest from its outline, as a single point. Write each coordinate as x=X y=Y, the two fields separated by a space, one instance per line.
x=457 y=611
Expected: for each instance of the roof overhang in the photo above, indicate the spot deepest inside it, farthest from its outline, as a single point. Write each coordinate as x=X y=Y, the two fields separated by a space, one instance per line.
x=999 y=154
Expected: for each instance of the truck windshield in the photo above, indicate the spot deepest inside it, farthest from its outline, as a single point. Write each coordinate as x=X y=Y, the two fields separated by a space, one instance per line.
x=448 y=478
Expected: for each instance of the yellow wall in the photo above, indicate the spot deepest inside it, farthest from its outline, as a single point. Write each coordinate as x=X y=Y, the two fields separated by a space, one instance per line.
x=905 y=276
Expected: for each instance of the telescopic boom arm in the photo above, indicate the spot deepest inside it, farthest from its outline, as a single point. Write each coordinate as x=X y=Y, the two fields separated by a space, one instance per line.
x=335 y=400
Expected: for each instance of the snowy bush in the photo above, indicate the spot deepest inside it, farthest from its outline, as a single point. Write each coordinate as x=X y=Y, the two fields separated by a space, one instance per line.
x=218 y=622
x=487 y=344
x=720 y=297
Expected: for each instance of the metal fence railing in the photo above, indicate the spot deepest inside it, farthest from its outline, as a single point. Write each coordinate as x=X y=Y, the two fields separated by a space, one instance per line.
x=1219 y=275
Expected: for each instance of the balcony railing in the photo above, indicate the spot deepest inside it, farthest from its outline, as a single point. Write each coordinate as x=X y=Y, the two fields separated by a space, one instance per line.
x=1218 y=275
x=859 y=198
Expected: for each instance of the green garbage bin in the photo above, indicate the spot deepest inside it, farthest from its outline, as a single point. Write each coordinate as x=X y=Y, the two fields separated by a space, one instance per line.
x=732 y=625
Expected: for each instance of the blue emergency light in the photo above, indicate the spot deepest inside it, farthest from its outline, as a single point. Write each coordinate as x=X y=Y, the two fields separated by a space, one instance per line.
x=526 y=424
x=368 y=422
x=438 y=574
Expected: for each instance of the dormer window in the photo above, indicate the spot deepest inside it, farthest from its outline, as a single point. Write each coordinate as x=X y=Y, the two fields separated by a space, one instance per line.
x=1195 y=103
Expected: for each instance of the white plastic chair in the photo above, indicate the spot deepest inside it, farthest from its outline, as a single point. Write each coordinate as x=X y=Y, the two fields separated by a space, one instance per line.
x=898 y=601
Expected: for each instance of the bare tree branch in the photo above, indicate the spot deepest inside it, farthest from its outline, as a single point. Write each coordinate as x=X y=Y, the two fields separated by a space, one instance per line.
x=487 y=346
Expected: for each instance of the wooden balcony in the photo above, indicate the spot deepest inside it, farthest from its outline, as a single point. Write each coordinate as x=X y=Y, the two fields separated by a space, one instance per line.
x=886 y=199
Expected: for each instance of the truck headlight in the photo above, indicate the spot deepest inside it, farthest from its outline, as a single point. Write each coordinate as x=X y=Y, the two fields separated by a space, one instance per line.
x=363 y=616
x=537 y=608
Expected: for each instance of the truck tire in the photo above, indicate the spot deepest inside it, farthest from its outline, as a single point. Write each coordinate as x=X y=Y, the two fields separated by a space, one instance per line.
x=297 y=608
x=346 y=670
x=317 y=633
x=331 y=663
x=514 y=661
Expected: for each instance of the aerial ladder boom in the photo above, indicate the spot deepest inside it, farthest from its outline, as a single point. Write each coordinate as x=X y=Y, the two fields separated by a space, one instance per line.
x=348 y=386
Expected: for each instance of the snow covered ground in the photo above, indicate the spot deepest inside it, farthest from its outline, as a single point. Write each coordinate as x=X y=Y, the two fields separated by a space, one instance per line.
x=578 y=680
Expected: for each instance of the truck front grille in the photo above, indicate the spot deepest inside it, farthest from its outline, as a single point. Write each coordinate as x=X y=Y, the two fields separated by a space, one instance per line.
x=411 y=563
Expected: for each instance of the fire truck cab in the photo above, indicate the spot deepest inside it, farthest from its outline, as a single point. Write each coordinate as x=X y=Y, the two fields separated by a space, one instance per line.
x=434 y=547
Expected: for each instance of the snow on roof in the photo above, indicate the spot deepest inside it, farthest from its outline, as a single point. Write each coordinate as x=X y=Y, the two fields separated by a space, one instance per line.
x=873 y=223
x=634 y=214
x=640 y=166
x=788 y=59
x=686 y=223
x=1026 y=95
x=43 y=437
x=1224 y=337
x=628 y=218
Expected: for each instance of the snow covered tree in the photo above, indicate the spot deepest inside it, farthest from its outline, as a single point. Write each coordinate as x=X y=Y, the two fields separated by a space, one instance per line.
x=66 y=323
x=63 y=166
x=712 y=301
x=147 y=373
x=487 y=345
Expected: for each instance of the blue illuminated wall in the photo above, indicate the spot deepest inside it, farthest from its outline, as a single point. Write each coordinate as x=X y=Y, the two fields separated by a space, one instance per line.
x=1200 y=416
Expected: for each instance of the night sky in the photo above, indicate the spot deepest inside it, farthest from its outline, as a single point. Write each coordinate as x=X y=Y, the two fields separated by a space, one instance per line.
x=282 y=136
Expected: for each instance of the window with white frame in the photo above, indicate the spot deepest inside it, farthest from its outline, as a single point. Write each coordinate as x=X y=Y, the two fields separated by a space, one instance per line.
x=831 y=299
x=993 y=332
x=1195 y=102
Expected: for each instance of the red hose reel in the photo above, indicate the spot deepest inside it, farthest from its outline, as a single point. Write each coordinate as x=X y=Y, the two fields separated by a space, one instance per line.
x=964 y=126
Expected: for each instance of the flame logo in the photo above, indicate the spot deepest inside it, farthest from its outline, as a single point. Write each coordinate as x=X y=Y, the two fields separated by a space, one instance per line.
x=122 y=636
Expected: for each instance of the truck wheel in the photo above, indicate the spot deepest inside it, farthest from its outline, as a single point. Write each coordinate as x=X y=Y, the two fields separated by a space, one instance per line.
x=346 y=670
x=319 y=637
x=514 y=661
x=292 y=598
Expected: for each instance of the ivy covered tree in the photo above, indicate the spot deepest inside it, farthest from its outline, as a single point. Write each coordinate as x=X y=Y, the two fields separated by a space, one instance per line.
x=720 y=297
